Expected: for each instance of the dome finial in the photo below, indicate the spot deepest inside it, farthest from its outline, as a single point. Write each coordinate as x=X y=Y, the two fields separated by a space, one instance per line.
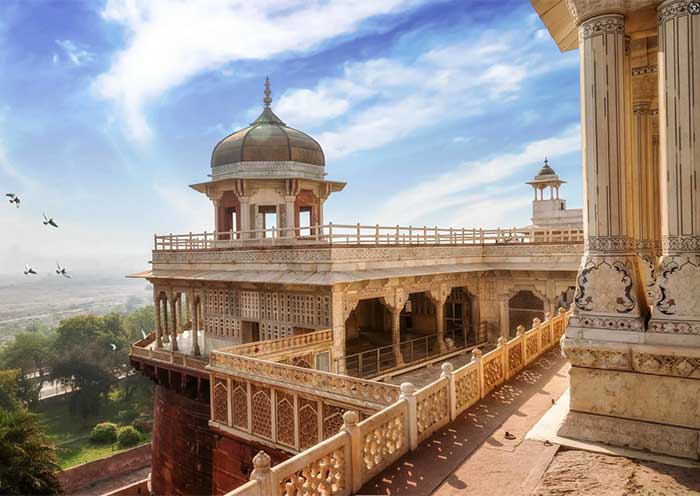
x=267 y=100
x=546 y=162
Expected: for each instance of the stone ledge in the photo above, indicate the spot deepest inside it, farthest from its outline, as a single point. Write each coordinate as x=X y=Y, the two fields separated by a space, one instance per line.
x=658 y=438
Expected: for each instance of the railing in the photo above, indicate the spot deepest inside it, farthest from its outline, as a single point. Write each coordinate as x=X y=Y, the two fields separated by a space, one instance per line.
x=374 y=362
x=356 y=234
x=139 y=349
x=342 y=464
x=261 y=348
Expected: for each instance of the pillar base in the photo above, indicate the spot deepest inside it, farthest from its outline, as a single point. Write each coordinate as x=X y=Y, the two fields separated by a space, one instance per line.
x=625 y=433
x=635 y=395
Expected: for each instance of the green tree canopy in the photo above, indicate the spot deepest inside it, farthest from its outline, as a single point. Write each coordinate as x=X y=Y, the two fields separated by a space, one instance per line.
x=29 y=352
x=28 y=459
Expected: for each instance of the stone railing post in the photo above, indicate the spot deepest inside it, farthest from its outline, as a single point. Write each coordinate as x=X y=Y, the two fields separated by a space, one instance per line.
x=408 y=394
x=262 y=472
x=520 y=334
x=355 y=463
x=536 y=325
x=476 y=357
x=502 y=346
x=448 y=373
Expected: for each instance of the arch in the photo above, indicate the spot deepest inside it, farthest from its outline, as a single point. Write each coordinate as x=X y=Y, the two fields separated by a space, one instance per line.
x=525 y=304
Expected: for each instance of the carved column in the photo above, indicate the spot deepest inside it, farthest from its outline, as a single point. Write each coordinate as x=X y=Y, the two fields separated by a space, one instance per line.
x=245 y=216
x=439 y=296
x=677 y=308
x=173 y=306
x=289 y=216
x=643 y=173
x=395 y=301
x=489 y=307
x=157 y=308
x=165 y=321
x=193 y=311
x=607 y=305
x=342 y=307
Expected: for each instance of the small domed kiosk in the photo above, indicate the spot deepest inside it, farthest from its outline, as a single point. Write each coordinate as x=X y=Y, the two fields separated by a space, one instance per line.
x=268 y=178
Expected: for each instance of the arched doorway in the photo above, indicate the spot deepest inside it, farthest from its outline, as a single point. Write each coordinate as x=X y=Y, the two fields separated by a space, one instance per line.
x=524 y=306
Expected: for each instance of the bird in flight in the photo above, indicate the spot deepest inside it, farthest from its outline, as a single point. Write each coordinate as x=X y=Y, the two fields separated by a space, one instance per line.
x=114 y=346
x=48 y=221
x=13 y=199
x=61 y=271
x=28 y=270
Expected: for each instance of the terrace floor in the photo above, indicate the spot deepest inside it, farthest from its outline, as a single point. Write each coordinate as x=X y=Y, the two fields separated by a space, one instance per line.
x=472 y=455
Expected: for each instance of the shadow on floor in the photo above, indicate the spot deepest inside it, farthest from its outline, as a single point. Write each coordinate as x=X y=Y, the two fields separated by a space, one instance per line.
x=421 y=472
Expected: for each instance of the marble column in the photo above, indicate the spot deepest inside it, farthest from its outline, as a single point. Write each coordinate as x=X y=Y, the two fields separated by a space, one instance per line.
x=174 y=310
x=165 y=321
x=193 y=310
x=395 y=301
x=157 y=308
x=439 y=296
x=607 y=294
x=643 y=174
x=676 y=313
x=245 y=216
x=289 y=216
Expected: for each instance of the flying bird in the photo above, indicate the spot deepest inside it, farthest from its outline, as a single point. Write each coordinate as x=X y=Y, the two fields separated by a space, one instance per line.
x=61 y=271
x=28 y=270
x=143 y=333
x=114 y=346
x=13 y=199
x=48 y=221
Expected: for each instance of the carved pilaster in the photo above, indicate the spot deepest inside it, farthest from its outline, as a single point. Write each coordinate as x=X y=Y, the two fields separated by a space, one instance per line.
x=677 y=310
x=395 y=300
x=607 y=293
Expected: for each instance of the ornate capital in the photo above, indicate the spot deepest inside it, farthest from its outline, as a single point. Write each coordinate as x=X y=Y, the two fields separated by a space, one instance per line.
x=671 y=9
x=601 y=25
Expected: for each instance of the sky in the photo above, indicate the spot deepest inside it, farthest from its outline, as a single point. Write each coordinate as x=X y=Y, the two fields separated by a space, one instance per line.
x=434 y=113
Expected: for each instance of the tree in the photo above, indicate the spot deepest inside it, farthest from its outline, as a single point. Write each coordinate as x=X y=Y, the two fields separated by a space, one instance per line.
x=28 y=459
x=142 y=319
x=9 y=391
x=29 y=352
x=90 y=379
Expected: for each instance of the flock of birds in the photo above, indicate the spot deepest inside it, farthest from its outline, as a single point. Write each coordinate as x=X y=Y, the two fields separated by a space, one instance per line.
x=48 y=221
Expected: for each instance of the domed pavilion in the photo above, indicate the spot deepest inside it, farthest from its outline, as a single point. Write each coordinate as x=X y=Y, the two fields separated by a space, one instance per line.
x=268 y=176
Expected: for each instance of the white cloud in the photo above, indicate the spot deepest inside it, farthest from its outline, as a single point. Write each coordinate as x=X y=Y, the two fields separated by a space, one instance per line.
x=170 y=42
x=457 y=186
x=377 y=101
x=77 y=55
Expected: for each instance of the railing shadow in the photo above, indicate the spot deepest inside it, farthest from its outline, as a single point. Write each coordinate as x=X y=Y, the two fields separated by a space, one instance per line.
x=441 y=454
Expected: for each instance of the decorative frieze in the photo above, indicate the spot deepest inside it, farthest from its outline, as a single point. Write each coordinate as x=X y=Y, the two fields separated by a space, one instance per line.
x=622 y=245
x=672 y=9
x=602 y=25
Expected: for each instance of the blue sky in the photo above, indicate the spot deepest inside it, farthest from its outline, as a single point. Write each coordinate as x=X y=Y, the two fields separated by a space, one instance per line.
x=434 y=112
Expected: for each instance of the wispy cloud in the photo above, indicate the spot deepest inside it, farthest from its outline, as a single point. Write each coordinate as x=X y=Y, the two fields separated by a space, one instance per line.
x=465 y=183
x=377 y=101
x=77 y=55
x=170 y=42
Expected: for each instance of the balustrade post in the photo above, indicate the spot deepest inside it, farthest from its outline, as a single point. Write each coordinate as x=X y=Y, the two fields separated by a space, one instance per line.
x=355 y=462
x=520 y=333
x=536 y=325
x=408 y=394
x=358 y=233
x=448 y=373
x=476 y=358
x=262 y=472
x=410 y=235
x=502 y=346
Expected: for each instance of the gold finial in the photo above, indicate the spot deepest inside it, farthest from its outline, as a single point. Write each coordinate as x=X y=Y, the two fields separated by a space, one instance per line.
x=267 y=100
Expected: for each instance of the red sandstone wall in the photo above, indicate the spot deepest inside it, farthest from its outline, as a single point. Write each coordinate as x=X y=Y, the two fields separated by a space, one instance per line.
x=233 y=462
x=82 y=476
x=182 y=445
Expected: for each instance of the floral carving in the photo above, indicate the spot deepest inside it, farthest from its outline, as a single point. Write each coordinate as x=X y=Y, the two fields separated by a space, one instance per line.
x=384 y=443
x=308 y=423
x=515 y=358
x=332 y=420
x=285 y=418
x=432 y=410
x=678 y=289
x=604 y=287
x=493 y=371
x=261 y=405
x=239 y=404
x=220 y=401
x=467 y=388
x=322 y=477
